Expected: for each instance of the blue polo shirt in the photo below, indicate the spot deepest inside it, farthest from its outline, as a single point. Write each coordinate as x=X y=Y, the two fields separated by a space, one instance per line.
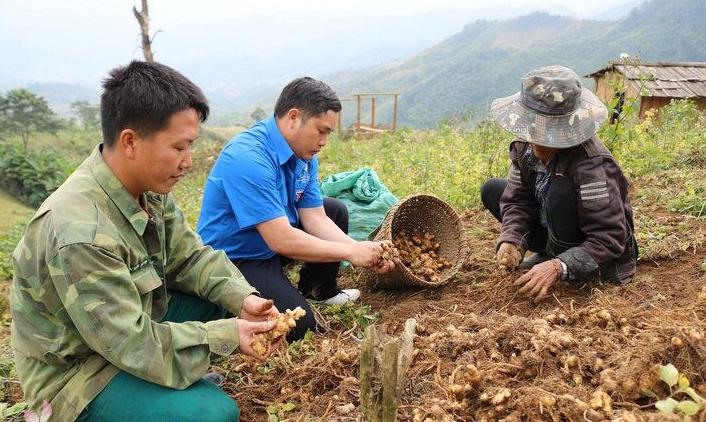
x=256 y=178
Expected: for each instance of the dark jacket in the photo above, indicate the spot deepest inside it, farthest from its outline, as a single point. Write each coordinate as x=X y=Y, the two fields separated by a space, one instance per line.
x=605 y=217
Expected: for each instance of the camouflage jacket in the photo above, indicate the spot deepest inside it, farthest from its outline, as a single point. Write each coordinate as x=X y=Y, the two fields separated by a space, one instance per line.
x=605 y=216
x=92 y=276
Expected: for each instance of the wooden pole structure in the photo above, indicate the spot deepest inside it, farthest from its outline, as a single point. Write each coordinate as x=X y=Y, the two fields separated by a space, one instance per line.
x=372 y=112
x=357 y=113
x=394 y=114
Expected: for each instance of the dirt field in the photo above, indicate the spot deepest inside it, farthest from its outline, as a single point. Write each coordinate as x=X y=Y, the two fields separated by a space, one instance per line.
x=486 y=353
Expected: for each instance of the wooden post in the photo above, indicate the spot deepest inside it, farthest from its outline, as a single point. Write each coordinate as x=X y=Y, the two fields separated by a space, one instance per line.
x=367 y=369
x=380 y=398
x=372 y=112
x=389 y=381
x=394 y=114
x=357 y=113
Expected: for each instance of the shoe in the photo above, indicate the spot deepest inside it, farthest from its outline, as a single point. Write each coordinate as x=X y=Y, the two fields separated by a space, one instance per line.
x=214 y=377
x=343 y=297
x=532 y=260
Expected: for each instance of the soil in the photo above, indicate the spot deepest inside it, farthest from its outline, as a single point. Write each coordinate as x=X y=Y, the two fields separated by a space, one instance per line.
x=484 y=352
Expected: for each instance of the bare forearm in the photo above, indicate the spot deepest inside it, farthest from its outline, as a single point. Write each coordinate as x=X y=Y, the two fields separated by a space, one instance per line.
x=299 y=245
x=326 y=229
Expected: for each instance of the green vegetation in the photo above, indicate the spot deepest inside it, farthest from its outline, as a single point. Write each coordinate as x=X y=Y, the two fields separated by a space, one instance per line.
x=690 y=401
x=24 y=113
x=31 y=176
x=453 y=163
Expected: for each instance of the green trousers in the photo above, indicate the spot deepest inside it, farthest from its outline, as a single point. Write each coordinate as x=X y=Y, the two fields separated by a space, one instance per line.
x=128 y=398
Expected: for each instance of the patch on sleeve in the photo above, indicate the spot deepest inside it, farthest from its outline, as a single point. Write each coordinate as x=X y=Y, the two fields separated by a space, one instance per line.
x=514 y=176
x=594 y=195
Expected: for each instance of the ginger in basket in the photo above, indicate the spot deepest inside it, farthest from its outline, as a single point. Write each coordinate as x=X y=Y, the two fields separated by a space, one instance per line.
x=419 y=251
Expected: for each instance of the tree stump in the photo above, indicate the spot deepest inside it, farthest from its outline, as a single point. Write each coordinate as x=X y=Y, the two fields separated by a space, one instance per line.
x=383 y=364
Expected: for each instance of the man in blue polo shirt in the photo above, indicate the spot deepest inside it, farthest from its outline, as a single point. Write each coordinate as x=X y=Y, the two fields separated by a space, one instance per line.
x=263 y=207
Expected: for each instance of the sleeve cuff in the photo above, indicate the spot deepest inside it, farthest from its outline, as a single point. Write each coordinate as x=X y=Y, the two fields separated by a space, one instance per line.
x=222 y=336
x=564 y=270
x=581 y=266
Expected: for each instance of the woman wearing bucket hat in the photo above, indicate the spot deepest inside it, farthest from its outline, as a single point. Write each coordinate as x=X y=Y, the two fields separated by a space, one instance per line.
x=565 y=197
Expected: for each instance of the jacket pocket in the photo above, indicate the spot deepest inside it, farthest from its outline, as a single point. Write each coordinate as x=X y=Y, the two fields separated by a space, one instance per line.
x=146 y=279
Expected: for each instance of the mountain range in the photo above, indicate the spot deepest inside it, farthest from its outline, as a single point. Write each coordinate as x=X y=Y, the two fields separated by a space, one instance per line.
x=441 y=68
x=486 y=60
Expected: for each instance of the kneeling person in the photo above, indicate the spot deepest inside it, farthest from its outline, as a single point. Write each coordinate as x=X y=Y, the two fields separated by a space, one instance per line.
x=565 y=197
x=263 y=207
x=116 y=304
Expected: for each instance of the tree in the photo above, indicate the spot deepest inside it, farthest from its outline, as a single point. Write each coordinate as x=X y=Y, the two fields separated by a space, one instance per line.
x=87 y=113
x=258 y=114
x=143 y=18
x=23 y=113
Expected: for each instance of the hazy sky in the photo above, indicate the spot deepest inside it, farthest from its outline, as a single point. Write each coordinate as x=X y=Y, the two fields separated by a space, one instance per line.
x=171 y=12
x=224 y=43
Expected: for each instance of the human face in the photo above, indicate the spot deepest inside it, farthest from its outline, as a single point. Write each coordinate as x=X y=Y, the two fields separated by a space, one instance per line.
x=161 y=158
x=544 y=153
x=307 y=137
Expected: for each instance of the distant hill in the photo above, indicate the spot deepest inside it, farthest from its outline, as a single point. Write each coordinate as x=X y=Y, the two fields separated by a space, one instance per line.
x=487 y=59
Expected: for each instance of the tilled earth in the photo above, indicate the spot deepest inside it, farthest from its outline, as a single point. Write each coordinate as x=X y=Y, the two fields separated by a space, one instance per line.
x=484 y=352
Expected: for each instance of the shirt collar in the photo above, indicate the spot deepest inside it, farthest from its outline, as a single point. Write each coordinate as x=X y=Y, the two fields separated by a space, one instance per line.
x=282 y=149
x=115 y=190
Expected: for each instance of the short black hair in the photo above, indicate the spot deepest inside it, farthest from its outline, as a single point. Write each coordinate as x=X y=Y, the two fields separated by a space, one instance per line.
x=310 y=96
x=143 y=96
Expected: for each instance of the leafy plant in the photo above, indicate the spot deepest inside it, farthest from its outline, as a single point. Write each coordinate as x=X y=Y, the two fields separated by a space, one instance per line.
x=32 y=176
x=685 y=406
x=8 y=413
x=692 y=202
x=305 y=346
x=350 y=316
x=277 y=411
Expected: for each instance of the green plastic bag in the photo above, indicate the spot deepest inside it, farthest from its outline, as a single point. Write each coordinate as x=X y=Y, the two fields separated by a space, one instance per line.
x=366 y=198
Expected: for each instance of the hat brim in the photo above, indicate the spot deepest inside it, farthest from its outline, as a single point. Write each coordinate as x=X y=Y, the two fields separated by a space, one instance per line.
x=560 y=131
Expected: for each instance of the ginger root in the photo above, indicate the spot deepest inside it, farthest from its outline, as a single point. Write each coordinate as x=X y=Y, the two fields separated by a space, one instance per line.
x=419 y=251
x=284 y=322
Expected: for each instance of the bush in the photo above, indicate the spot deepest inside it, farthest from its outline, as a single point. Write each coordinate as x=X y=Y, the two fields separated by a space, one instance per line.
x=672 y=137
x=31 y=176
x=450 y=162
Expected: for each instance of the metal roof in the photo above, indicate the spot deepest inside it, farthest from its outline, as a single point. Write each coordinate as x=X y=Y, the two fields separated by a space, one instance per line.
x=663 y=79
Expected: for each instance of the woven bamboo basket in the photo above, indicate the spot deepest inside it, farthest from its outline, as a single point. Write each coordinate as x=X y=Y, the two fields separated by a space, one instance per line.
x=420 y=213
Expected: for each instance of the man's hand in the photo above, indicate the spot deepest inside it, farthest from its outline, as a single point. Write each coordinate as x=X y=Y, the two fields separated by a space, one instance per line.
x=365 y=254
x=383 y=266
x=246 y=335
x=386 y=262
x=508 y=256
x=256 y=308
x=538 y=280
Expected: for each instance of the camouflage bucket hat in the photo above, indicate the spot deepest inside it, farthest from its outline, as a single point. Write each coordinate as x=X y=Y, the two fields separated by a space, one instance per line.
x=552 y=109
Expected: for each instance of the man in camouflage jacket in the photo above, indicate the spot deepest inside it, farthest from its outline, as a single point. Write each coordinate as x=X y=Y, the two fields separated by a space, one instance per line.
x=116 y=303
x=565 y=197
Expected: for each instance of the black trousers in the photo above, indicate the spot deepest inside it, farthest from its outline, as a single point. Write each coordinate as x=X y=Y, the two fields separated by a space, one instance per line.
x=562 y=232
x=316 y=281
